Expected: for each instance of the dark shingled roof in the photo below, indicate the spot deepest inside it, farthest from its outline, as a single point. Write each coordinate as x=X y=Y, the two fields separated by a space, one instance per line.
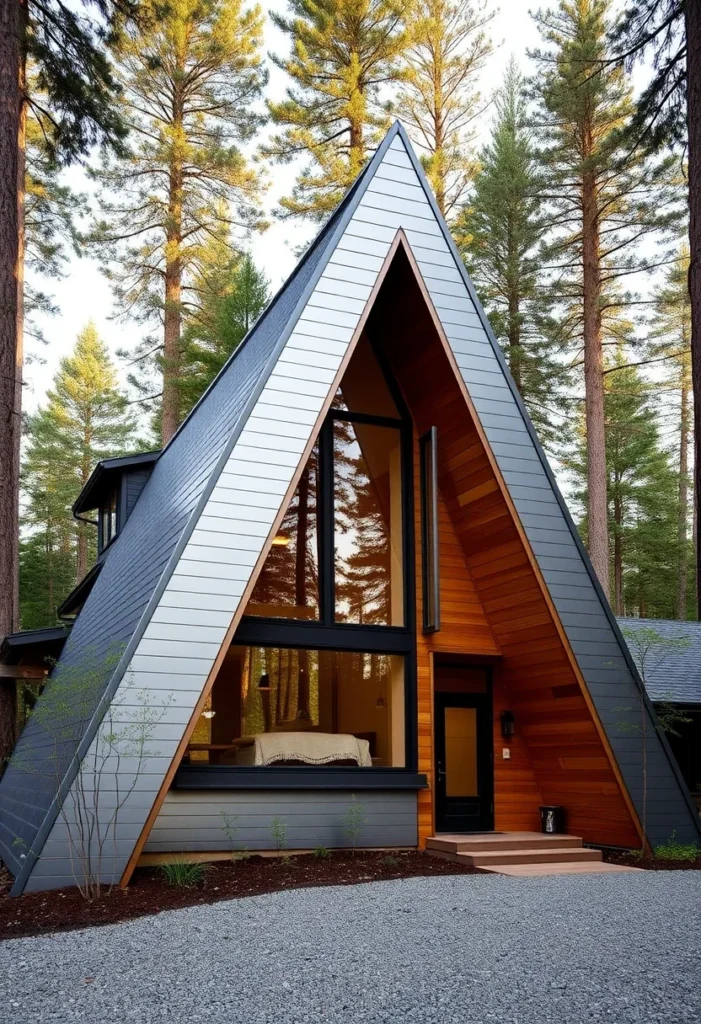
x=673 y=674
x=141 y=558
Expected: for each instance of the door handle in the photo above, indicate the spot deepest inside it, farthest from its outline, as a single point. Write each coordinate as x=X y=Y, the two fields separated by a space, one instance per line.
x=440 y=772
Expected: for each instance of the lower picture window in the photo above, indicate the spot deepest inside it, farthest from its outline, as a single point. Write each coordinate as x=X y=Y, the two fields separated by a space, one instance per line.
x=294 y=707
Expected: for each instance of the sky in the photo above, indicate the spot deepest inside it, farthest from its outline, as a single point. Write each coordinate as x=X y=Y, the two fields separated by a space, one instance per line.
x=84 y=294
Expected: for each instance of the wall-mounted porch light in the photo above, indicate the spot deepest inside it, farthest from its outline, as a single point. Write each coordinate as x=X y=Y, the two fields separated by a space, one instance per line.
x=507 y=724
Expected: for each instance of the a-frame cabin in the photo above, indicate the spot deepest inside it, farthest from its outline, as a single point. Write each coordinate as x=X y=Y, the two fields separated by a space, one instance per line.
x=349 y=575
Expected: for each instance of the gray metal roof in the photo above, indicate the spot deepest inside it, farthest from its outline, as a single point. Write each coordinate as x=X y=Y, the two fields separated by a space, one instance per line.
x=672 y=673
x=100 y=644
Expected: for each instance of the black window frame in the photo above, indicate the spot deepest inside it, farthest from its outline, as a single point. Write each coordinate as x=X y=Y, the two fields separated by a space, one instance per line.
x=326 y=633
x=430 y=533
x=103 y=511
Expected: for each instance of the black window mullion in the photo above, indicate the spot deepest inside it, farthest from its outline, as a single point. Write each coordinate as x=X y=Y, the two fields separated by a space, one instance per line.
x=326 y=488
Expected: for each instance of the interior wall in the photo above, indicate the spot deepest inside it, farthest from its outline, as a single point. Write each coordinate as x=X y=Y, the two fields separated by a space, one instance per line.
x=496 y=599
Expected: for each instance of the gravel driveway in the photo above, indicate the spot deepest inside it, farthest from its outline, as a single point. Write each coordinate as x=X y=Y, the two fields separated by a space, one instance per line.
x=572 y=949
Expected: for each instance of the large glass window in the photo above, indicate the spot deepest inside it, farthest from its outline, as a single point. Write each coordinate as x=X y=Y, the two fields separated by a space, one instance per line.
x=288 y=584
x=367 y=524
x=296 y=707
x=337 y=557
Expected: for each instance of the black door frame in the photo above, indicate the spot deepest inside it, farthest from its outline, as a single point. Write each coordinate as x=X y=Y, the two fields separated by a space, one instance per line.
x=483 y=703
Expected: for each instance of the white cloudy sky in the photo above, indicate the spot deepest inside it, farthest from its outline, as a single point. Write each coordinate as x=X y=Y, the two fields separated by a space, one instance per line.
x=85 y=295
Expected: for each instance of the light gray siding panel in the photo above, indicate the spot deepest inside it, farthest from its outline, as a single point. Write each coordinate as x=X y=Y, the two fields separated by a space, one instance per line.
x=194 y=821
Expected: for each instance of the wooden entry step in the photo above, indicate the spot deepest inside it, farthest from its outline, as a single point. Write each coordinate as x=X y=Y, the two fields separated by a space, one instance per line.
x=521 y=853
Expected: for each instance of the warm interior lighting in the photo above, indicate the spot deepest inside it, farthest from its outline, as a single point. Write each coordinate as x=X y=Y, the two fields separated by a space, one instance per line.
x=280 y=541
x=208 y=714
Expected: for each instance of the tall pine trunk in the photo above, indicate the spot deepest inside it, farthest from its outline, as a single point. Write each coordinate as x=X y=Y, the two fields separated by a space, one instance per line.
x=594 y=384
x=172 y=317
x=693 y=71
x=618 y=553
x=13 y=114
x=682 y=527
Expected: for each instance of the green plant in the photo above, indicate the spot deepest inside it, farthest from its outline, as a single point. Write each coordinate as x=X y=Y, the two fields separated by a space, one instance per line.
x=674 y=850
x=278 y=830
x=390 y=861
x=183 y=874
x=355 y=821
x=322 y=852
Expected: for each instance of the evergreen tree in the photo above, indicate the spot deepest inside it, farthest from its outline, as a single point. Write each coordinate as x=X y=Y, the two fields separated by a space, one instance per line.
x=604 y=199
x=86 y=419
x=668 y=112
x=440 y=101
x=65 y=44
x=190 y=82
x=671 y=342
x=504 y=226
x=342 y=53
x=641 y=495
x=50 y=230
x=231 y=294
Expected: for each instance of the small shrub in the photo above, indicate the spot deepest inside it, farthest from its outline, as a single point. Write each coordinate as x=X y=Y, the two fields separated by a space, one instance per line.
x=355 y=821
x=390 y=861
x=183 y=874
x=674 y=850
x=278 y=830
x=322 y=852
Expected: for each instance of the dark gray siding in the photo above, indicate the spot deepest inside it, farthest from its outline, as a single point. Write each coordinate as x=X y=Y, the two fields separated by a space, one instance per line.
x=195 y=821
x=134 y=481
x=136 y=563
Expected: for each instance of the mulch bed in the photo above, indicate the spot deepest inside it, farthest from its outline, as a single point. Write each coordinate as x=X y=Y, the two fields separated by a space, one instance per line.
x=150 y=893
x=631 y=860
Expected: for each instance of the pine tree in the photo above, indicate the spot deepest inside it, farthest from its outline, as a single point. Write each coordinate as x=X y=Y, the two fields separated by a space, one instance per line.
x=65 y=44
x=50 y=230
x=231 y=294
x=641 y=494
x=342 y=53
x=190 y=82
x=440 y=101
x=86 y=419
x=604 y=199
x=504 y=225
x=670 y=338
x=668 y=113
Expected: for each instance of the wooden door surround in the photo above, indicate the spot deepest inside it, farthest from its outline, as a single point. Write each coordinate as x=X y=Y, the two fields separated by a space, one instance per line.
x=494 y=602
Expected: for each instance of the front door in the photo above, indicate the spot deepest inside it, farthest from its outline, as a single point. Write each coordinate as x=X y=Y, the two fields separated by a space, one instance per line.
x=464 y=770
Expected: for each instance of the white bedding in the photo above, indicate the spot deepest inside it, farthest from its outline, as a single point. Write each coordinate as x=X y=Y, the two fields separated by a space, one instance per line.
x=307 y=747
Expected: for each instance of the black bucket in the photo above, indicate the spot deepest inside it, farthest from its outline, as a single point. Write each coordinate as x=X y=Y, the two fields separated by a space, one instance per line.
x=552 y=820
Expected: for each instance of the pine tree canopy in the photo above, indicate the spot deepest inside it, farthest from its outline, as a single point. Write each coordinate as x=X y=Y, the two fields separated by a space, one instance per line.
x=658 y=26
x=500 y=233
x=86 y=419
x=67 y=45
x=343 y=53
x=439 y=101
x=232 y=294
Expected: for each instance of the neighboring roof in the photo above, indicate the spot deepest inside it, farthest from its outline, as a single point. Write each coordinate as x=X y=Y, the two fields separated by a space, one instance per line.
x=672 y=672
x=142 y=558
x=17 y=645
x=103 y=476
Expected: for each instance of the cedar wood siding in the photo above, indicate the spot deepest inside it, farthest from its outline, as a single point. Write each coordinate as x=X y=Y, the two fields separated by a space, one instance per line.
x=190 y=601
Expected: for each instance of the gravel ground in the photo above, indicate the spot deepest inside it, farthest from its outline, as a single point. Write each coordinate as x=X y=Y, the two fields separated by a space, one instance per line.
x=621 y=948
